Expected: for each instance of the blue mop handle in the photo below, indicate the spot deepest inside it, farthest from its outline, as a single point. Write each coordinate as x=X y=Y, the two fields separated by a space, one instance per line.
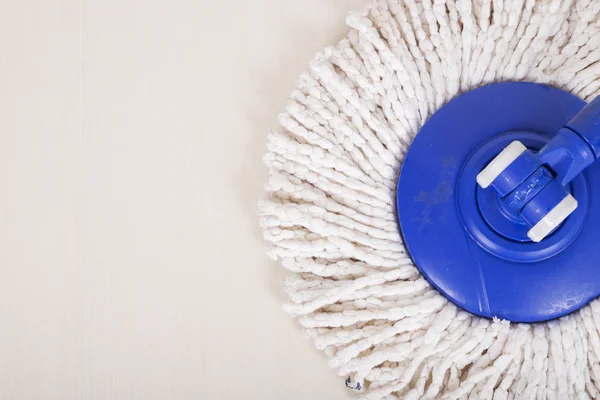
x=587 y=125
x=576 y=146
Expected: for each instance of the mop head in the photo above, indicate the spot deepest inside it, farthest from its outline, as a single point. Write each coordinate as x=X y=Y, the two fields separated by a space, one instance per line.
x=330 y=215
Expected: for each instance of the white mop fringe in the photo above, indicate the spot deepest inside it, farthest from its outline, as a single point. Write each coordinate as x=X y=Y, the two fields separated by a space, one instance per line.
x=330 y=217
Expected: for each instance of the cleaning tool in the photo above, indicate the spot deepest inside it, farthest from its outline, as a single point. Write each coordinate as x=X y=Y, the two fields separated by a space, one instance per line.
x=434 y=192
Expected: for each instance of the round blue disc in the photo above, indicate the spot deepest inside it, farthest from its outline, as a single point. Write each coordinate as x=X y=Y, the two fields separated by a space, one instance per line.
x=456 y=233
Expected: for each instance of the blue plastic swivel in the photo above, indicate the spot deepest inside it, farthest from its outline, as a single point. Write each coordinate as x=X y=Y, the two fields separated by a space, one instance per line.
x=534 y=186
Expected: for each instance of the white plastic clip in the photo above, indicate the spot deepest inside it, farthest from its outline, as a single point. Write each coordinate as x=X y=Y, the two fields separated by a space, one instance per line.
x=500 y=163
x=554 y=218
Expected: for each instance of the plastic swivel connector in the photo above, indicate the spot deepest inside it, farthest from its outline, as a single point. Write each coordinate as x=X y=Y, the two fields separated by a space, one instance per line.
x=535 y=186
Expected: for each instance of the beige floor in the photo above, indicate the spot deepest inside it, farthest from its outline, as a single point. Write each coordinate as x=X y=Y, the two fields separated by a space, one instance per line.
x=131 y=136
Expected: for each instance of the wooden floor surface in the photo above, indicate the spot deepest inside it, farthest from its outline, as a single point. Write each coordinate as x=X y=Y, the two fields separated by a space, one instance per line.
x=131 y=136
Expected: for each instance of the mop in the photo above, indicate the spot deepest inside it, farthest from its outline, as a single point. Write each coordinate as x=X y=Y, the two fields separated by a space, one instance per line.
x=433 y=192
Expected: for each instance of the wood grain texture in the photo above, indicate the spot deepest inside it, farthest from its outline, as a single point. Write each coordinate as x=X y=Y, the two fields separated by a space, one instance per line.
x=131 y=137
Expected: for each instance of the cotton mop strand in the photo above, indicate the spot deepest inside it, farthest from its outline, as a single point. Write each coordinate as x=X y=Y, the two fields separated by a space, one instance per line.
x=330 y=214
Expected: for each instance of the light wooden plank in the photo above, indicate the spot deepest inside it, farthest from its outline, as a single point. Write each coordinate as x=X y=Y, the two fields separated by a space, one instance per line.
x=40 y=213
